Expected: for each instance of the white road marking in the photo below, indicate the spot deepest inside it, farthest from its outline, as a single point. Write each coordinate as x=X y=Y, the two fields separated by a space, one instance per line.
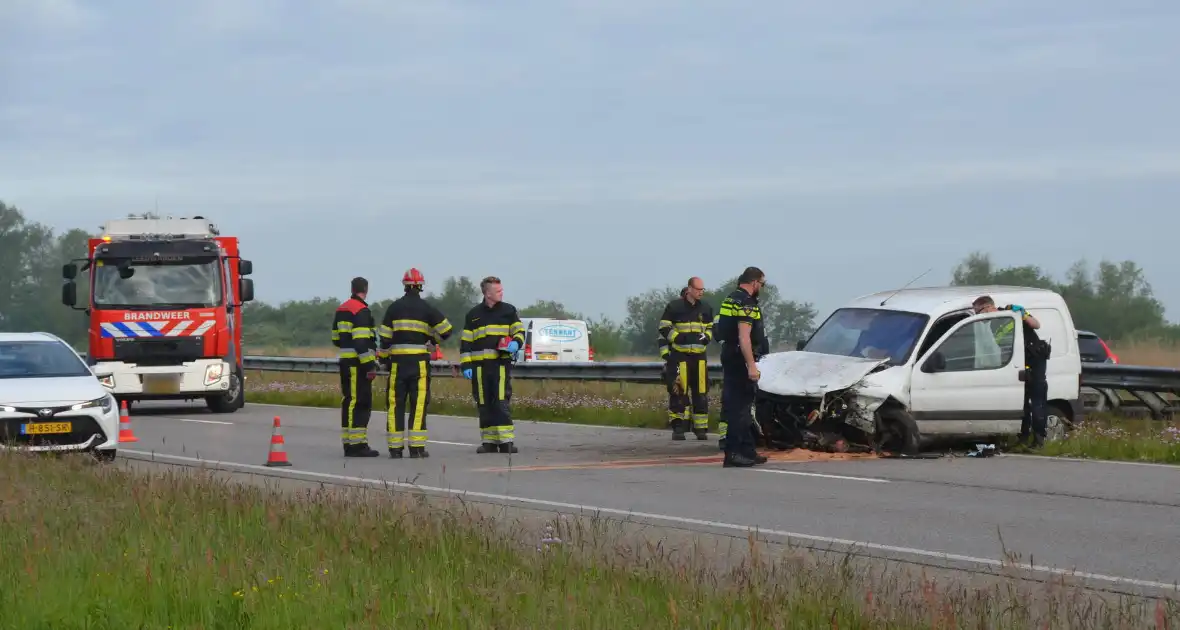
x=811 y=474
x=202 y=421
x=1083 y=460
x=429 y=442
x=381 y=483
x=618 y=428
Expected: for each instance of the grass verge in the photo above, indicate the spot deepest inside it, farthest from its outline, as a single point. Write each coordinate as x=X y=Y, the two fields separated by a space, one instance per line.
x=613 y=404
x=1101 y=436
x=100 y=547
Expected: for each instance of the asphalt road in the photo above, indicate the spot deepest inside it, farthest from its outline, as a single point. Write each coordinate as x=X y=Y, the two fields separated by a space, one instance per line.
x=1111 y=525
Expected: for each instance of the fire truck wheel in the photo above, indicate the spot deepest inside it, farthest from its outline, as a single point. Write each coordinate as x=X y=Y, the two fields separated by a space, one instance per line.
x=232 y=400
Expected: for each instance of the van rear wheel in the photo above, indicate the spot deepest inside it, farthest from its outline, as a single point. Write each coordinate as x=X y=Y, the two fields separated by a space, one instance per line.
x=1057 y=423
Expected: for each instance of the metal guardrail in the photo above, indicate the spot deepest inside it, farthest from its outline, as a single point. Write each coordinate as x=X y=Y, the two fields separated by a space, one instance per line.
x=1153 y=388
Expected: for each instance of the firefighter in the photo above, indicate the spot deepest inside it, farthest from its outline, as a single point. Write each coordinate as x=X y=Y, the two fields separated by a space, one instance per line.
x=1036 y=360
x=408 y=329
x=686 y=328
x=352 y=333
x=740 y=329
x=492 y=333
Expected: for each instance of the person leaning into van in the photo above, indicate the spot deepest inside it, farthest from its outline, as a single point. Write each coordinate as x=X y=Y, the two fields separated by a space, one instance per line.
x=1036 y=360
x=686 y=328
x=492 y=333
x=409 y=326
x=352 y=333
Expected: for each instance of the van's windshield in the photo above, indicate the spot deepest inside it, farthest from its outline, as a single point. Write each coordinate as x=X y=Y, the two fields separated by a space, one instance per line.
x=869 y=332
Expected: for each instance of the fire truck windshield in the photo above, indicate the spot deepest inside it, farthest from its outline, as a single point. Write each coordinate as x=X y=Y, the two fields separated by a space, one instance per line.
x=183 y=284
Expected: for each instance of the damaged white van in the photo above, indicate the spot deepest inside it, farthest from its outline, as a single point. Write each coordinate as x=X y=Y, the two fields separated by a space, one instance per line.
x=893 y=369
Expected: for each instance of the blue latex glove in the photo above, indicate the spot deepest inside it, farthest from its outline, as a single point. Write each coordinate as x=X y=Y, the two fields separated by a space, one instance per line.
x=1018 y=308
x=513 y=346
x=467 y=374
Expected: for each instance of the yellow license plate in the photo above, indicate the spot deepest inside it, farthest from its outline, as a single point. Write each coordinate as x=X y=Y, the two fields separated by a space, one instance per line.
x=161 y=384
x=546 y=356
x=43 y=428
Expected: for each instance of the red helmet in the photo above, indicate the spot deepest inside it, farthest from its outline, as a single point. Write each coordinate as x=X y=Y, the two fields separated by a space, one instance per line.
x=413 y=276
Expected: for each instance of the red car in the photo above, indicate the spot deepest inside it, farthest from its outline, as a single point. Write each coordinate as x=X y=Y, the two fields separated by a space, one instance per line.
x=1093 y=349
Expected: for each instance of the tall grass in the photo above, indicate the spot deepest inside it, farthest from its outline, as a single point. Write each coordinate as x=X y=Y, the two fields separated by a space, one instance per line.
x=89 y=546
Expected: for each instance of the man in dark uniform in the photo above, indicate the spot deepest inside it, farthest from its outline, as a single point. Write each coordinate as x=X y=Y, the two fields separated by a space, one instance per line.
x=686 y=328
x=352 y=333
x=1036 y=361
x=492 y=333
x=741 y=332
x=409 y=324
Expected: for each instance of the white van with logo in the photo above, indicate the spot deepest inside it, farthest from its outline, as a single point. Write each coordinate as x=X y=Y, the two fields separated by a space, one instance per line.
x=900 y=366
x=555 y=341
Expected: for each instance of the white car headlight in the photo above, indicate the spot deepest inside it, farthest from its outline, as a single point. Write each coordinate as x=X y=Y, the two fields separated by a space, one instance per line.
x=213 y=373
x=106 y=403
x=4 y=409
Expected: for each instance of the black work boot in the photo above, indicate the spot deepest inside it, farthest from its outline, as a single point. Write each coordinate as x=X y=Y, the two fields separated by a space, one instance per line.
x=678 y=430
x=362 y=450
x=702 y=434
x=509 y=447
x=418 y=451
x=488 y=447
x=737 y=461
x=395 y=453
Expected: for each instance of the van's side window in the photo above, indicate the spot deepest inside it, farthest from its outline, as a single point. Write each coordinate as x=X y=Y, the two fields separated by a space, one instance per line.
x=938 y=330
x=975 y=347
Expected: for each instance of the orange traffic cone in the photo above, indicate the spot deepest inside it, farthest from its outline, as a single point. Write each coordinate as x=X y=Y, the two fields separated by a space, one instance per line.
x=125 y=434
x=278 y=450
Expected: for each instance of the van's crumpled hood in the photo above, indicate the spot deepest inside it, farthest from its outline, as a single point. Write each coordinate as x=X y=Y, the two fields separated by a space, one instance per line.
x=802 y=373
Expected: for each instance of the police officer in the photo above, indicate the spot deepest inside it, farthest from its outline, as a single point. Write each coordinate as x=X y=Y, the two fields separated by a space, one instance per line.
x=741 y=331
x=686 y=328
x=352 y=333
x=409 y=325
x=492 y=333
x=1036 y=360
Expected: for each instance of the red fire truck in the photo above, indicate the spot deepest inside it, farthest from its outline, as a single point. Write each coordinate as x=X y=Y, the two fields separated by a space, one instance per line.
x=164 y=306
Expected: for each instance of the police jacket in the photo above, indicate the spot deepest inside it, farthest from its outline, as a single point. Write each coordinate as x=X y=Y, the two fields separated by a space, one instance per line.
x=352 y=333
x=409 y=323
x=1035 y=350
x=483 y=328
x=685 y=328
x=740 y=306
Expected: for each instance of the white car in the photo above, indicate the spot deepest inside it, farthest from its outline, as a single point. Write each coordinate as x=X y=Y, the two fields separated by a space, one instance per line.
x=50 y=400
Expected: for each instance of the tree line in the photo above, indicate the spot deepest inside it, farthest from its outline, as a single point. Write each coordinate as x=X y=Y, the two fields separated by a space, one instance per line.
x=1115 y=300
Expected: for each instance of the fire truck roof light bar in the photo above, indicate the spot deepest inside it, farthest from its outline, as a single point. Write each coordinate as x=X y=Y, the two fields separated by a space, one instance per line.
x=169 y=229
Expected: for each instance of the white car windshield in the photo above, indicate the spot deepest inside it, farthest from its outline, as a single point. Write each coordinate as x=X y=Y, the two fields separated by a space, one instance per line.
x=870 y=333
x=177 y=285
x=39 y=359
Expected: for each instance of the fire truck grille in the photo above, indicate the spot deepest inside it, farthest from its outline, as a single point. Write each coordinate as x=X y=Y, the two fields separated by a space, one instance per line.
x=158 y=350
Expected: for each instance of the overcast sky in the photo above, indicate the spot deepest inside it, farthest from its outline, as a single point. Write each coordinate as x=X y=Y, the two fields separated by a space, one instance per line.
x=844 y=147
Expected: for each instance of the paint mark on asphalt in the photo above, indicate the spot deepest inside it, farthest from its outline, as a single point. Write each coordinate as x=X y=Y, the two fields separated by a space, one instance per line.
x=203 y=421
x=811 y=474
x=429 y=442
x=666 y=518
x=610 y=465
